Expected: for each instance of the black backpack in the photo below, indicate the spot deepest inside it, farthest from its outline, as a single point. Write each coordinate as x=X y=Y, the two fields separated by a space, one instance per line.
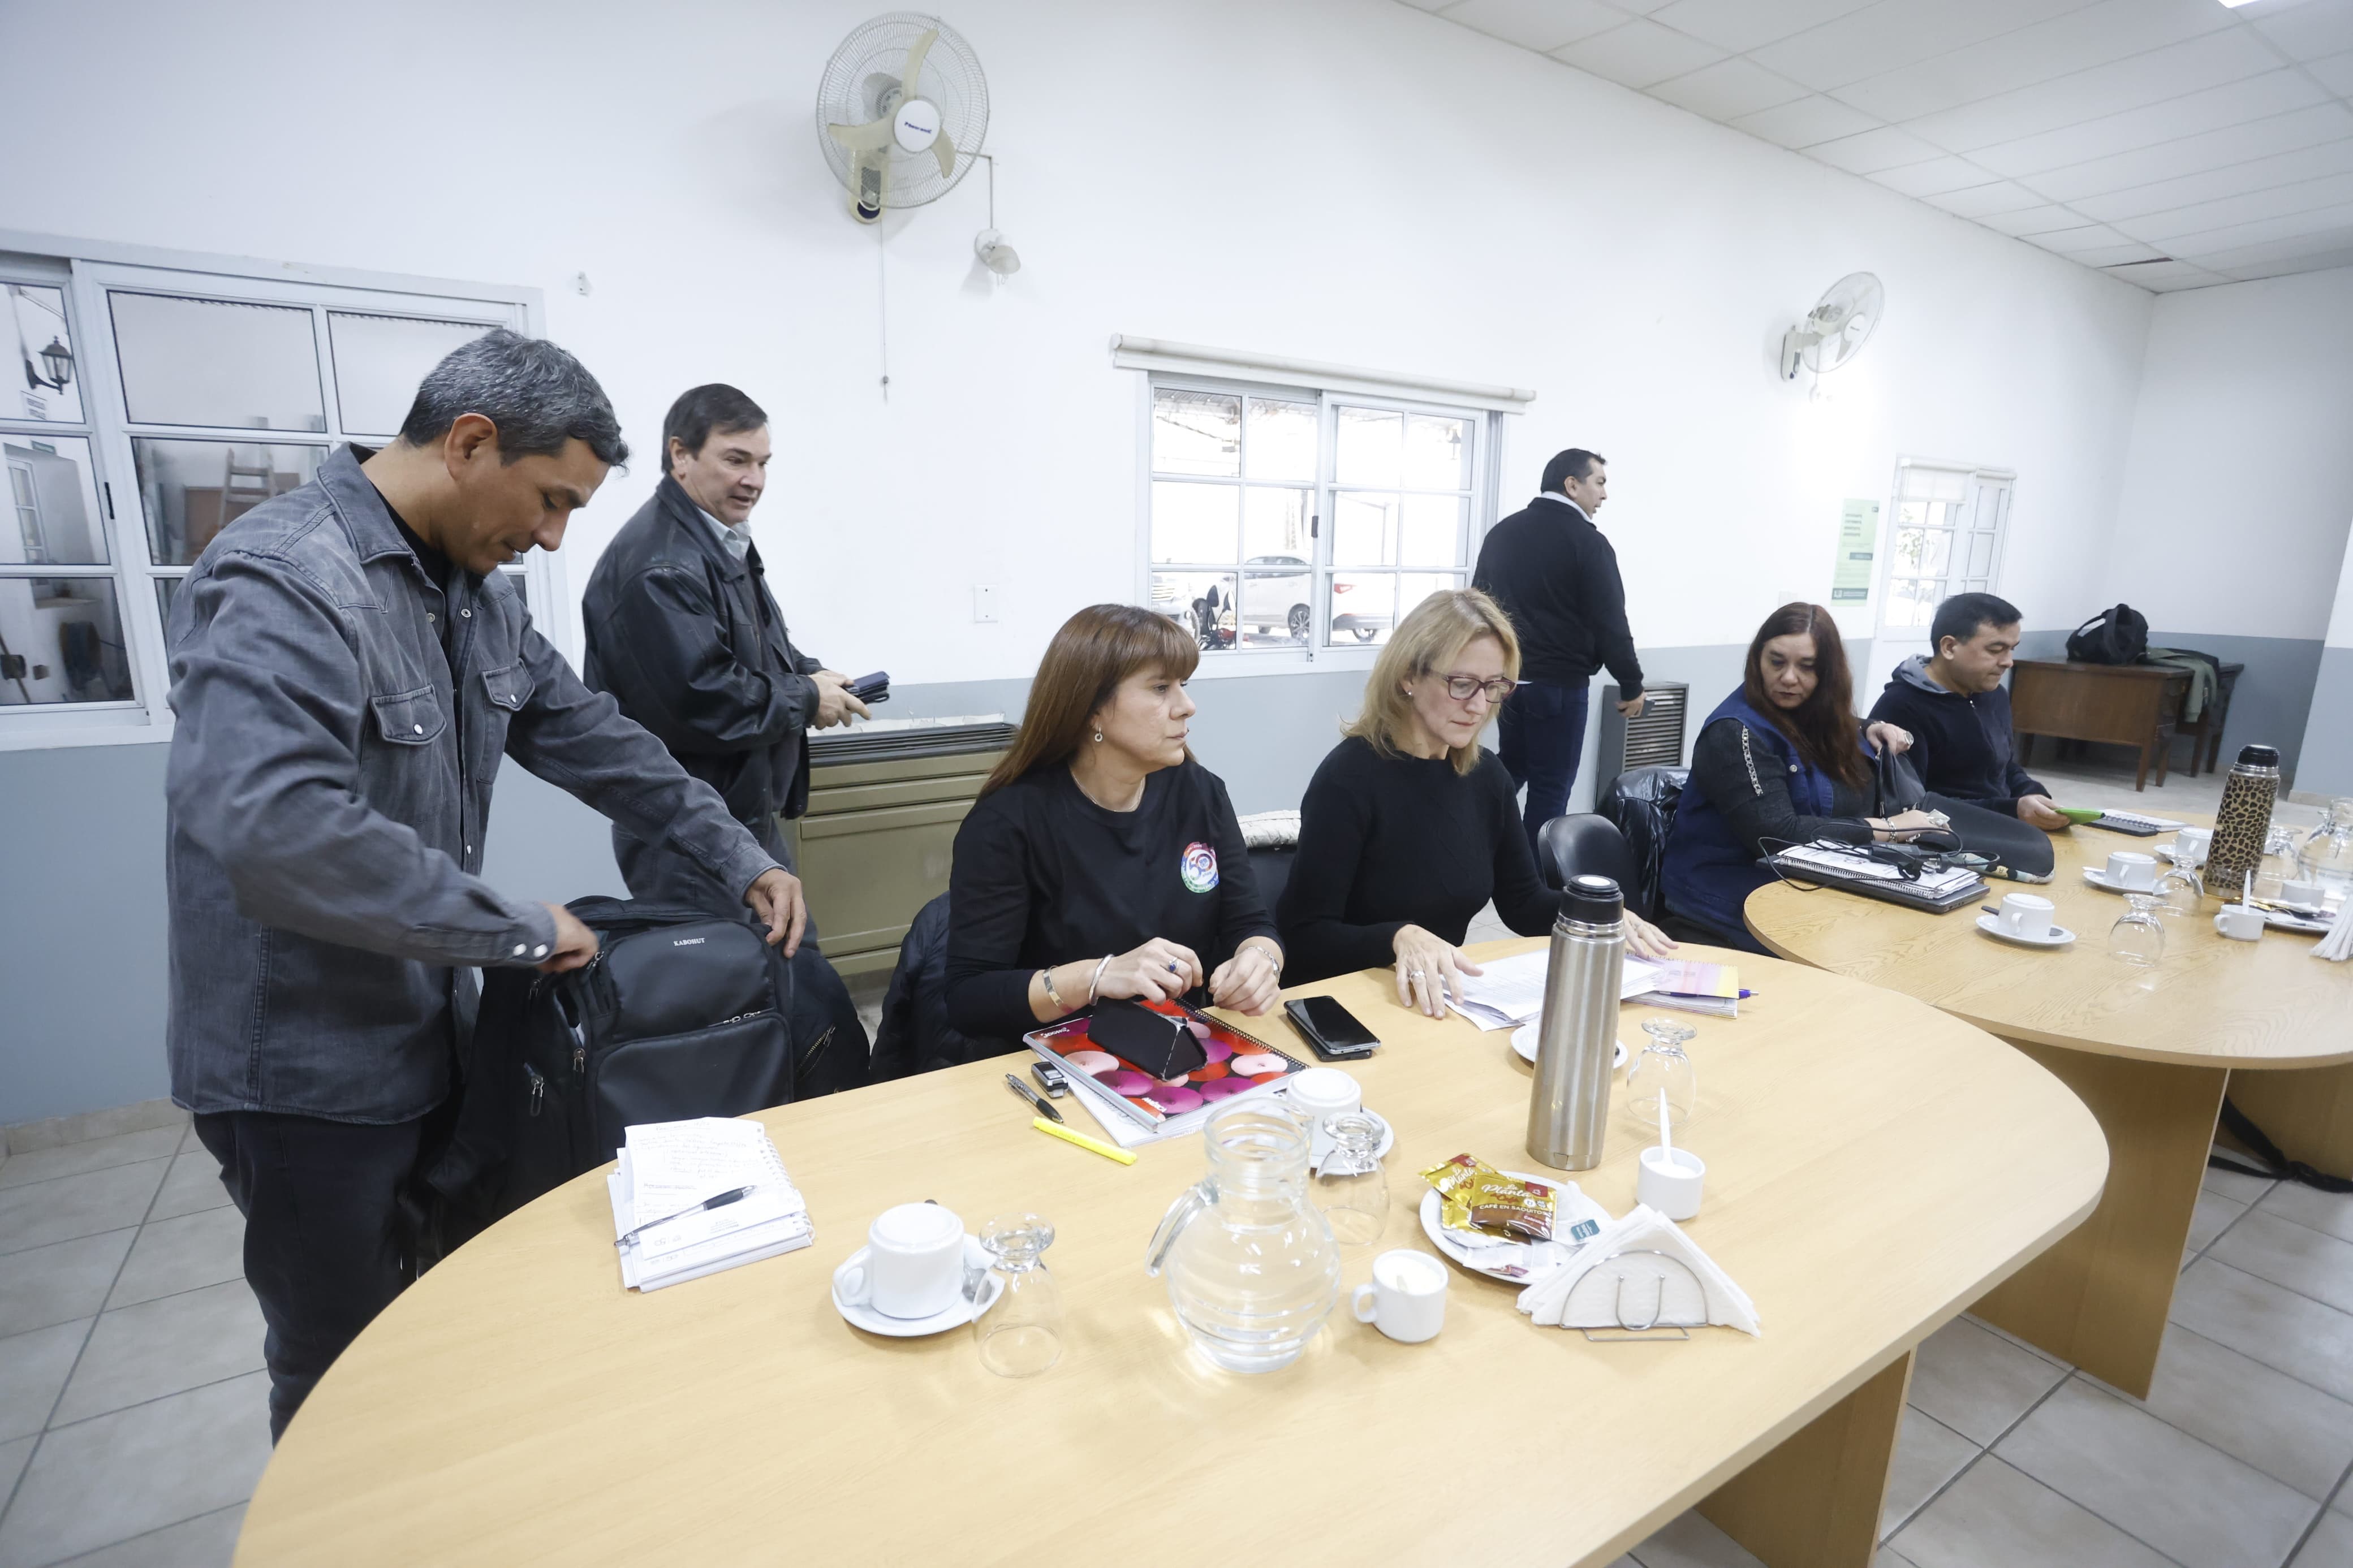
x=681 y=1014
x=2116 y=635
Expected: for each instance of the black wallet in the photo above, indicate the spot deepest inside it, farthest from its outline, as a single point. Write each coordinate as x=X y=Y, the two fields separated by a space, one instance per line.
x=874 y=688
x=1157 y=1045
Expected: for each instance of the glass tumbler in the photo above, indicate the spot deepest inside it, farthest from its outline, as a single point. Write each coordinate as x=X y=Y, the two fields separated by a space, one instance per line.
x=1664 y=1067
x=1350 y=1187
x=2138 y=937
x=2177 y=891
x=1020 y=1334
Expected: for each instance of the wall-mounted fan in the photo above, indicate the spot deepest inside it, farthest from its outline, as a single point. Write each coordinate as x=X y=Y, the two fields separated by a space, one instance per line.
x=901 y=113
x=1833 y=332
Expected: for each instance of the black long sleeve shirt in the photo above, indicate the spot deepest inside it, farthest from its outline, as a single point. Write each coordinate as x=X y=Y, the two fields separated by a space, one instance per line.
x=1557 y=576
x=1386 y=842
x=1746 y=782
x=1044 y=876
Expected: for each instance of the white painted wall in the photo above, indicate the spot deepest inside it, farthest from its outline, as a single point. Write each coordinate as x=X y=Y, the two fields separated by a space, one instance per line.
x=1343 y=180
x=2242 y=442
x=2340 y=618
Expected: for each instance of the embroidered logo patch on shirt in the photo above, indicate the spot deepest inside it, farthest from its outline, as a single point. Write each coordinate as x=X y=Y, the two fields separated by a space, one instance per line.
x=1199 y=867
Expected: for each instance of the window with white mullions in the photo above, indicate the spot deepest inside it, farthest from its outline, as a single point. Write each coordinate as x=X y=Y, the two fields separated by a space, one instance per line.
x=1282 y=519
x=1945 y=538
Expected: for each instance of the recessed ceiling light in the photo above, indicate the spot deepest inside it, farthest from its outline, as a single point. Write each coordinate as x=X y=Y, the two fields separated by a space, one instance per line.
x=2234 y=5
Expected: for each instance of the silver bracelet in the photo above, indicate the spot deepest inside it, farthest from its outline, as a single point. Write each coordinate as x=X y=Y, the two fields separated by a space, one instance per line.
x=1053 y=998
x=1095 y=981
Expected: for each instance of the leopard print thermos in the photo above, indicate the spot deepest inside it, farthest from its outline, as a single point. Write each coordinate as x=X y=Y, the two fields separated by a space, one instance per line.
x=2243 y=822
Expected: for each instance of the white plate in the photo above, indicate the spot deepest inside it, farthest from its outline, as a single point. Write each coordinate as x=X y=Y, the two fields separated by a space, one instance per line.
x=1991 y=925
x=1524 y=1040
x=2098 y=877
x=974 y=1257
x=1552 y=1255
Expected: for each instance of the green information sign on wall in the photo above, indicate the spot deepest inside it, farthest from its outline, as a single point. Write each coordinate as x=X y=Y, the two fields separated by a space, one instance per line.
x=1858 y=543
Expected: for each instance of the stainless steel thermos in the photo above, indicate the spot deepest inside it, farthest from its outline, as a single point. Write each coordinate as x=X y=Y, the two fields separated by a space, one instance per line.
x=2243 y=822
x=1569 y=1104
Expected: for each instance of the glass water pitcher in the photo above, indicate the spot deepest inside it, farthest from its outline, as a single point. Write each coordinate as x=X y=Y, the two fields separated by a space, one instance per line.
x=1251 y=1265
x=2326 y=856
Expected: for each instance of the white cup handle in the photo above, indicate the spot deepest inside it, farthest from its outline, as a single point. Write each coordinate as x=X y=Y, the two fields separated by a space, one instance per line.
x=1363 y=1303
x=858 y=1295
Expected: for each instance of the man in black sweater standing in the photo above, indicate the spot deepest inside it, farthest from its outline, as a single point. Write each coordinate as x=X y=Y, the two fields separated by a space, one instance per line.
x=1954 y=703
x=1557 y=577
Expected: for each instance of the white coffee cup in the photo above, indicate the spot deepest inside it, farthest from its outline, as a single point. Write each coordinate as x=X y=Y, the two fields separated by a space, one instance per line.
x=1320 y=1092
x=1669 y=1181
x=2192 y=843
x=2026 y=914
x=913 y=1265
x=1405 y=1298
x=2240 y=923
x=2131 y=868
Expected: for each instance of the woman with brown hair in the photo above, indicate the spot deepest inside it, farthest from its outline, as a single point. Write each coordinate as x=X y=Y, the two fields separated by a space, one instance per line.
x=1780 y=761
x=1409 y=826
x=1101 y=860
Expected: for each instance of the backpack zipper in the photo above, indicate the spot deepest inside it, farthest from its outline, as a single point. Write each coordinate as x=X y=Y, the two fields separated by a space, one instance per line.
x=538 y=1086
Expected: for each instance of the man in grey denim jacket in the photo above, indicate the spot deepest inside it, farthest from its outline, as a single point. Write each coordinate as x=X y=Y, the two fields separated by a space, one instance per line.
x=348 y=668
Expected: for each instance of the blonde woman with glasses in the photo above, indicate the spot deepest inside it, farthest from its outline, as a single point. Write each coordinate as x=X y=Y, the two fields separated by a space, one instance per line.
x=1409 y=827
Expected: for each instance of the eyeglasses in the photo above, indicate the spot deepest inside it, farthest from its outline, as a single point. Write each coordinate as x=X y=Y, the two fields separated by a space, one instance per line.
x=1461 y=687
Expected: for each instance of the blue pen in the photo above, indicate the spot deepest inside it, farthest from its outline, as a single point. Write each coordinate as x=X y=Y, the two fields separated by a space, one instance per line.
x=1745 y=995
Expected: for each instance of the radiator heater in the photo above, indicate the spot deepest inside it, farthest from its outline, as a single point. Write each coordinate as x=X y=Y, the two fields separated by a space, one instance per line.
x=1655 y=740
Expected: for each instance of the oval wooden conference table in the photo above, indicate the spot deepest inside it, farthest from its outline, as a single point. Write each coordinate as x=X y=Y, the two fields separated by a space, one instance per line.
x=2149 y=1051
x=1873 y=1167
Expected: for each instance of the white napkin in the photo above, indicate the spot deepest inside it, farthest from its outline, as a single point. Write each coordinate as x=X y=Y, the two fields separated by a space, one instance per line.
x=1556 y=1298
x=2338 y=944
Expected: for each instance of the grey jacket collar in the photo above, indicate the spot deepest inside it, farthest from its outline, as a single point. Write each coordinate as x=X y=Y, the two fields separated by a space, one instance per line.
x=1914 y=671
x=690 y=520
x=360 y=505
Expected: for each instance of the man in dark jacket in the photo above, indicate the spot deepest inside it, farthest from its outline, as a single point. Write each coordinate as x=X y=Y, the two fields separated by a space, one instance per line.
x=683 y=631
x=348 y=666
x=1954 y=705
x=1557 y=577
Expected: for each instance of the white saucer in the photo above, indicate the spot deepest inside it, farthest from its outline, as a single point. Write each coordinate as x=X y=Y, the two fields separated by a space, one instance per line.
x=1991 y=925
x=974 y=1257
x=1548 y=1255
x=2098 y=877
x=1524 y=1040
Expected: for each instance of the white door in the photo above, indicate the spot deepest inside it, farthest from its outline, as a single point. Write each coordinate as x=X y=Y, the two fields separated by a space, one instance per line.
x=1944 y=538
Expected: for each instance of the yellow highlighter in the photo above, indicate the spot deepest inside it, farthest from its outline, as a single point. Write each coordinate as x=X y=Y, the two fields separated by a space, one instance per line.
x=1108 y=1151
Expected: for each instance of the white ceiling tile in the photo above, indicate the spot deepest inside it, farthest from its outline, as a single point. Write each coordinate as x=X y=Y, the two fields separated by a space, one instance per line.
x=2164 y=277
x=2286 y=201
x=2274 y=92
x=1805 y=122
x=2156 y=77
x=1728 y=89
x=2238 y=179
x=2171 y=233
x=1429 y=5
x=2044 y=219
x=2088 y=237
x=2335 y=73
x=1897 y=33
x=1976 y=201
x=1932 y=177
x=1542 y=25
x=2196 y=154
x=2097 y=34
x=1638 y=54
x=2311 y=30
x=1640 y=7
x=2271 y=253
x=1885 y=148
x=2111 y=256
x=1743 y=25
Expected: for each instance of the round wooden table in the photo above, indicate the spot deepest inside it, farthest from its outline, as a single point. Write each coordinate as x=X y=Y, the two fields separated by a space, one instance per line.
x=1874 y=1166
x=2149 y=1051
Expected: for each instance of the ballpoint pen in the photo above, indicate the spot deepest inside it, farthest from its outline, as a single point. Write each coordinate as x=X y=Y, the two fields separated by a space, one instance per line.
x=1038 y=1101
x=719 y=1201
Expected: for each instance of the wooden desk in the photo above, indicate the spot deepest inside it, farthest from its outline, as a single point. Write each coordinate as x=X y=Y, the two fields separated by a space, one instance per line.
x=2116 y=704
x=1873 y=1167
x=2150 y=1051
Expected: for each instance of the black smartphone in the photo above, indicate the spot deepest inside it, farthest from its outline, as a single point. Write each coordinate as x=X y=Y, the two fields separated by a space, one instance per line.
x=1334 y=1031
x=1050 y=1078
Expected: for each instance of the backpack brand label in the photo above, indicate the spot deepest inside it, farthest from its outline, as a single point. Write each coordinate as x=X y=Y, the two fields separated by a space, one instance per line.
x=690 y=942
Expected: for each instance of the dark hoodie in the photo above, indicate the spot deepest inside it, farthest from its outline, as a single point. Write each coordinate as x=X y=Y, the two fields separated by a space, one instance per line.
x=1961 y=745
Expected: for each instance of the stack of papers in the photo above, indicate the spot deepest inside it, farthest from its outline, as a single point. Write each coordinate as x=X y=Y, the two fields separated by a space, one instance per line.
x=1511 y=992
x=1628 y=1248
x=1692 y=986
x=1854 y=865
x=669 y=1168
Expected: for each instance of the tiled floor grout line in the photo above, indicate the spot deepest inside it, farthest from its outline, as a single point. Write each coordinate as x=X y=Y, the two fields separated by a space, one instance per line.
x=2315 y=1300
x=1983 y=1450
x=158 y=1399
x=2314 y=1522
x=79 y=1351
x=146 y=1534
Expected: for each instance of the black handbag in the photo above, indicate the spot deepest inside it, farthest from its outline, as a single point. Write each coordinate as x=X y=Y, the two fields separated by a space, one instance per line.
x=681 y=1014
x=2118 y=634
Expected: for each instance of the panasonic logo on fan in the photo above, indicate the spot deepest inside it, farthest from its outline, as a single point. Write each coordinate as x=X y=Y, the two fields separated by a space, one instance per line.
x=690 y=942
x=916 y=125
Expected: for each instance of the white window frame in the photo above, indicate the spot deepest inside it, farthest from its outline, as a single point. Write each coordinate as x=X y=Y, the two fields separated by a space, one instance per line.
x=87 y=272
x=1326 y=386
x=1976 y=478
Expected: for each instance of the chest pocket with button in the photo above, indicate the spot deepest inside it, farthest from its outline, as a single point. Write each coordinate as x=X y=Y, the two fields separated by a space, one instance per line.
x=509 y=688
x=409 y=718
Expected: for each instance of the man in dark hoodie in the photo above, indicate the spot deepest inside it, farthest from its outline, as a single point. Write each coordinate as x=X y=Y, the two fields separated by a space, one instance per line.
x=1954 y=703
